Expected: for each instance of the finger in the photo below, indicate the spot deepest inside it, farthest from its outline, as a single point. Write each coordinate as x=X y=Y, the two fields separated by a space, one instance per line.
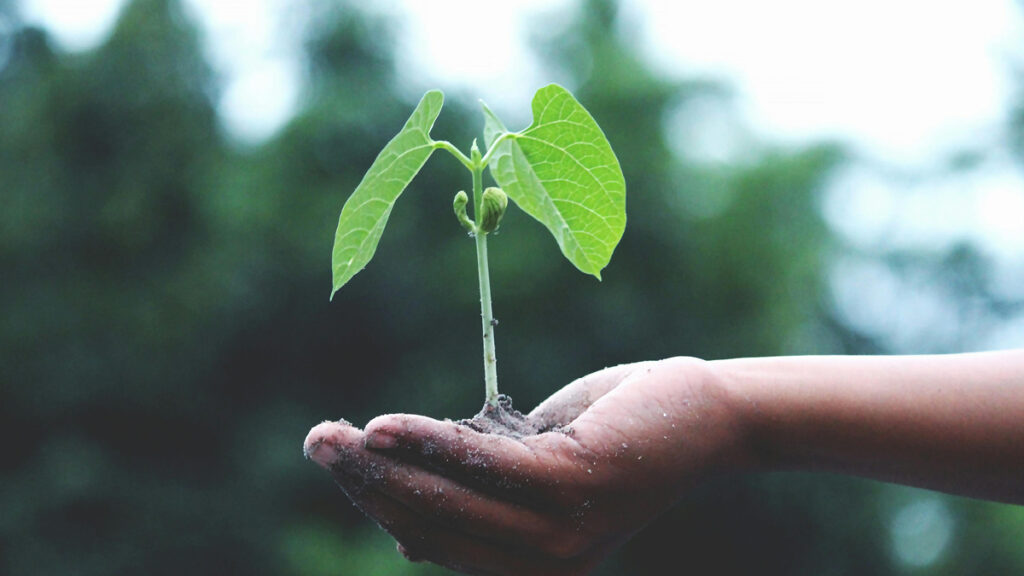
x=490 y=462
x=377 y=485
x=454 y=505
x=421 y=539
x=443 y=500
x=446 y=446
x=324 y=441
x=567 y=404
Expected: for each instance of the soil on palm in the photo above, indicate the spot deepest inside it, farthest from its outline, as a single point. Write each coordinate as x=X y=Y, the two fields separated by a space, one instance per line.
x=505 y=420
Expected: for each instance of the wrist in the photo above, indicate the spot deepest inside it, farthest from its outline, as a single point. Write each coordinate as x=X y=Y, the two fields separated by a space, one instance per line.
x=751 y=448
x=715 y=400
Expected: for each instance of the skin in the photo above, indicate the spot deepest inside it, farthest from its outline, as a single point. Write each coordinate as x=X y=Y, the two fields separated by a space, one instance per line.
x=642 y=434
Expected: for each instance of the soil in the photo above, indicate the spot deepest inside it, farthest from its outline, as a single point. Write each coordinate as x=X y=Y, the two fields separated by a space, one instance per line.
x=504 y=420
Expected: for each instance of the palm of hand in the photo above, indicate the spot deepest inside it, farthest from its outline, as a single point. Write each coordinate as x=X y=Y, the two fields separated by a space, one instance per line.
x=634 y=437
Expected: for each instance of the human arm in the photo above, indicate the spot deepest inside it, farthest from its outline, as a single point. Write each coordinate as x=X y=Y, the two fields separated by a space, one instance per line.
x=953 y=423
x=643 y=433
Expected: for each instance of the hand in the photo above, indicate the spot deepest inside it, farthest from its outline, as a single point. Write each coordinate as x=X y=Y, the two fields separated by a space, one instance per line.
x=634 y=438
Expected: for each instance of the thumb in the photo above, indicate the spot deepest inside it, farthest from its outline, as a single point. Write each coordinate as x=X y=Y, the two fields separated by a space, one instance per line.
x=575 y=398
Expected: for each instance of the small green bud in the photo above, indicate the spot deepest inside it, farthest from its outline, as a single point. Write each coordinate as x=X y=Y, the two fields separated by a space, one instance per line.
x=474 y=153
x=459 y=205
x=492 y=209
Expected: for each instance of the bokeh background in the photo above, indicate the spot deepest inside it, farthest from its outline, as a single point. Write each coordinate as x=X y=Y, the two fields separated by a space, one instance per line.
x=166 y=339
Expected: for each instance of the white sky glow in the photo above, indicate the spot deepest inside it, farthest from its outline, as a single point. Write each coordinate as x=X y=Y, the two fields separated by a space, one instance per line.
x=907 y=83
x=904 y=80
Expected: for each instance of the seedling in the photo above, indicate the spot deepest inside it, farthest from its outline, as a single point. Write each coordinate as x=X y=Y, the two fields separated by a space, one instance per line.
x=561 y=170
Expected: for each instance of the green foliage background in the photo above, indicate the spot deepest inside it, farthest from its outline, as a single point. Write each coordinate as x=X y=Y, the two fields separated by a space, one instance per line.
x=166 y=339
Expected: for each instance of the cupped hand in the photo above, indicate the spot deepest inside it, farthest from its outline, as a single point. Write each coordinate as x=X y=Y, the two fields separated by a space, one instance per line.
x=625 y=442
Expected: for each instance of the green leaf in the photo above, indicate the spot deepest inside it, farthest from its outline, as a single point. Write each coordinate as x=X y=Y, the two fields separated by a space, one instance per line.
x=366 y=212
x=561 y=170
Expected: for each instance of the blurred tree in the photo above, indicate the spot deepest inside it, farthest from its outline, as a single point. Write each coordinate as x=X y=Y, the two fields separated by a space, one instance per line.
x=166 y=339
x=112 y=444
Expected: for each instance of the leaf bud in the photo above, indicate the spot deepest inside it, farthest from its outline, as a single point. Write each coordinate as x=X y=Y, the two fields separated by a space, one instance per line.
x=492 y=208
x=459 y=205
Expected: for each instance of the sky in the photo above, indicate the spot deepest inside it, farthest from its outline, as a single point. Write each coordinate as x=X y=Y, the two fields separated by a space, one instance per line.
x=907 y=84
x=903 y=80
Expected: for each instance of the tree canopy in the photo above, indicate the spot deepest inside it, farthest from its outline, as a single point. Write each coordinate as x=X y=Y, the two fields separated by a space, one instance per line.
x=166 y=340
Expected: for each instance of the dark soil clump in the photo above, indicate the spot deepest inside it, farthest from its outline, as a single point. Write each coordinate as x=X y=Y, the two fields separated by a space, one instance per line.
x=504 y=420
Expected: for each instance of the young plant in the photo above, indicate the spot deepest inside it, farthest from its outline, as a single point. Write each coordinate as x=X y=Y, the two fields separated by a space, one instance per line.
x=561 y=170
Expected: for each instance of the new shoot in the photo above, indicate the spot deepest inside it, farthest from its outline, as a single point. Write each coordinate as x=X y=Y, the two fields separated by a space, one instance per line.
x=560 y=170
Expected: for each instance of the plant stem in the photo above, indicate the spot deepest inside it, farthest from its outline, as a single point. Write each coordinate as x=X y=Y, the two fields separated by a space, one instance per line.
x=445 y=145
x=486 y=315
x=490 y=360
x=494 y=146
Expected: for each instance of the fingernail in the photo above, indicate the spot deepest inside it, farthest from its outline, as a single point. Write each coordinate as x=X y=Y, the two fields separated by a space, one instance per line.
x=321 y=444
x=380 y=441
